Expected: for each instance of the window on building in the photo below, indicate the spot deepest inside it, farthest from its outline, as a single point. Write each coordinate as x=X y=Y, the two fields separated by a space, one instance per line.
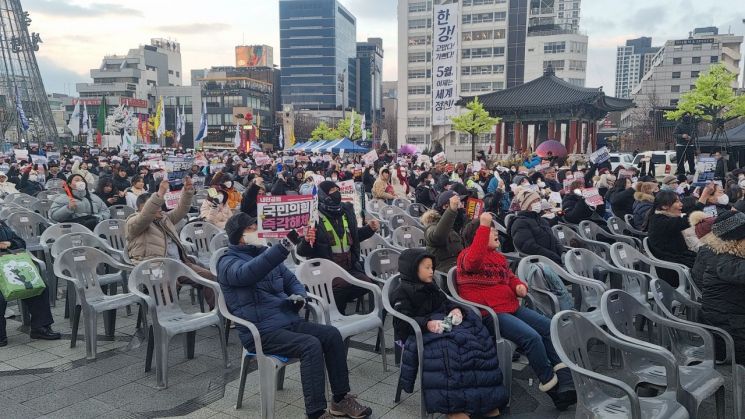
x=482 y=35
x=577 y=65
x=578 y=47
x=695 y=60
x=692 y=87
x=674 y=89
x=575 y=13
x=499 y=69
x=676 y=74
x=420 y=23
x=677 y=61
x=554 y=47
x=419 y=7
x=714 y=59
x=673 y=102
x=499 y=51
x=499 y=34
x=418 y=40
x=694 y=74
x=417 y=74
x=482 y=17
x=417 y=106
x=417 y=57
x=481 y=52
x=500 y=16
x=558 y=65
x=481 y=87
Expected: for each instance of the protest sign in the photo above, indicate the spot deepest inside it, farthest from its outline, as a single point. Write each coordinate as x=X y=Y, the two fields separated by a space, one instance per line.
x=278 y=215
x=370 y=158
x=21 y=154
x=244 y=171
x=705 y=169
x=474 y=208
x=347 y=190
x=439 y=158
x=38 y=159
x=172 y=198
x=216 y=167
x=423 y=158
x=262 y=160
x=625 y=173
x=288 y=160
x=592 y=197
x=53 y=156
x=710 y=211
x=302 y=159
x=542 y=166
x=476 y=166
x=567 y=184
x=94 y=151
x=600 y=156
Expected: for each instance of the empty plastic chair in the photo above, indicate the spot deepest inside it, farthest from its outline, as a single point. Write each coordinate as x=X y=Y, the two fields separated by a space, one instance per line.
x=625 y=256
x=399 y=220
x=317 y=276
x=112 y=232
x=198 y=235
x=620 y=227
x=219 y=241
x=29 y=226
x=382 y=264
x=121 y=212
x=592 y=231
x=402 y=203
x=42 y=207
x=373 y=206
x=696 y=373
x=601 y=396
x=47 y=239
x=54 y=183
x=374 y=242
x=683 y=270
x=408 y=237
x=416 y=210
x=569 y=238
x=78 y=267
x=47 y=195
x=159 y=278
x=389 y=211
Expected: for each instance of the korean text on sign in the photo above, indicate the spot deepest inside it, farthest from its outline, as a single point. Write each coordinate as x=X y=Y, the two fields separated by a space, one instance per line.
x=278 y=215
x=445 y=63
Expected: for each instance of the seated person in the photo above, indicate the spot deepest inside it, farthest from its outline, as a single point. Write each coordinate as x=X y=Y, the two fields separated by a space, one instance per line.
x=575 y=205
x=336 y=237
x=442 y=226
x=79 y=206
x=215 y=209
x=643 y=202
x=256 y=286
x=38 y=306
x=484 y=277
x=531 y=233
x=474 y=384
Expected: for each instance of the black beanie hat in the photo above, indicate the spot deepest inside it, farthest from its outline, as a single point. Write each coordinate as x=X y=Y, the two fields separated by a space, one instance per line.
x=236 y=225
x=326 y=186
x=730 y=225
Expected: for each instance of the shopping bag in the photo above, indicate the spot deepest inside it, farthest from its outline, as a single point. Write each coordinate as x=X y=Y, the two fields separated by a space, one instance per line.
x=19 y=277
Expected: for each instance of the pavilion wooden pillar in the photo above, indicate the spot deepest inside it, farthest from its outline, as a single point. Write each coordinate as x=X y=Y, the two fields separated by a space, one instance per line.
x=557 y=133
x=517 y=133
x=593 y=134
x=551 y=130
x=498 y=140
x=572 y=137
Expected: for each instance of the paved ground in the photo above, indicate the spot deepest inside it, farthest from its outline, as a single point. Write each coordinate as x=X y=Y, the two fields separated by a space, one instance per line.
x=52 y=380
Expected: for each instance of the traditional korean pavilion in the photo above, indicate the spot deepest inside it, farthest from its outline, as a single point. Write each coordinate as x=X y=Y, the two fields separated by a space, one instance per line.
x=548 y=108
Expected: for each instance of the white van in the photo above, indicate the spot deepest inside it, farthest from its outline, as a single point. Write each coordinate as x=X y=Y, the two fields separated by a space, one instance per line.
x=664 y=162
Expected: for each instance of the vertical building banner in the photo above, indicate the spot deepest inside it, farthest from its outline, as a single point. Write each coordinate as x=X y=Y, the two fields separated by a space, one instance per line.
x=445 y=63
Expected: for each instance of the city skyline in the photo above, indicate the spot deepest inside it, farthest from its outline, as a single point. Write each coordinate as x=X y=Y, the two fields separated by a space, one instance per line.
x=209 y=35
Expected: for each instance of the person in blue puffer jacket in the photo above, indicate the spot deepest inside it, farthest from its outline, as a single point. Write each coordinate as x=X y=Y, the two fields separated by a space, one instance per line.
x=259 y=288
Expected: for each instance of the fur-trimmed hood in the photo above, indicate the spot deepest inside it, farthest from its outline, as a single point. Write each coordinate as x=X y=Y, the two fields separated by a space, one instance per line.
x=719 y=246
x=644 y=197
x=430 y=217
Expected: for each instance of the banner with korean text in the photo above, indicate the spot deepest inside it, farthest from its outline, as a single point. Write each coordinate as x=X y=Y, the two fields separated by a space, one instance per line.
x=445 y=63
x=280 y=214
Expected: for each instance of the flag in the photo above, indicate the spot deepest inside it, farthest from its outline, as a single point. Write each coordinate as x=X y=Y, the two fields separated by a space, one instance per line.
x=21 y=114
x=127 y=143
x=86 y=120
x=160 y=117
x=351 y=126
x=89 y=142
x=292 y=139
x=362 y=128
x=237 y=139
x=183 y=121
x=177 y=131
x=281 y=140
x=203 y=127
x=74 y=123
x=101 y=121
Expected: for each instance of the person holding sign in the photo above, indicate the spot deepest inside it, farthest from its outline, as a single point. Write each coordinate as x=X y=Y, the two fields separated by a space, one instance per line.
x=259 y=288
x=336 y=237
x=576 y=207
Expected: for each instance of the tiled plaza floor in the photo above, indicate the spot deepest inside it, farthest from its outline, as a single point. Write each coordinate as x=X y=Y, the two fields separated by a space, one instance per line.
x=51 y=380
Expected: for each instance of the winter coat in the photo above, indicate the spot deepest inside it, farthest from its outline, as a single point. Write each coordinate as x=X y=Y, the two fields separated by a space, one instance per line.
x=382 y=189
x=441 y=239
x=425 y=195
x=666 y=241
x=576 y=209
x=121 y=183
x=532 y=234
x=642 y=205
x=460 y=368
x=145 y=240
x=324 y=241
x=131 y=197
x=28 y=187
x=85 y=174
x=217 y=215
x=280 y=187
x=256 y=283
x=60 y=211
x=622 y=202
x=250 y=199
x=484 y=276
x=722 y=268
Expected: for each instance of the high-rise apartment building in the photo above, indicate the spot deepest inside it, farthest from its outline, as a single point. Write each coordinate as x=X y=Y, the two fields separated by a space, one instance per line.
x=677 y=65
x=502 y=43
x=318 y=44
x=633 y=61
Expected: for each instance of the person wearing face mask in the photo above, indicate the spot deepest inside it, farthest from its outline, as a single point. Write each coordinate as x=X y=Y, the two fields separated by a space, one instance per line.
x=382 y=188
x=215 y=209
x=81 y=168
x=307 y=187
x=6 y=187
x=30 y=183
x=234 y=197
x=258 y=287
x=425 y=193
x=442 y=226
x=531 y=233
x=78 y=205
x=575 y=206
x=137 y=189
x=54 y=172
x=336 y=237
x=714 y=195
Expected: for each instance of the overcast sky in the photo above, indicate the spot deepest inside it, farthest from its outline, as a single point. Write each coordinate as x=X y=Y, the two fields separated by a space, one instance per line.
x=78 y=33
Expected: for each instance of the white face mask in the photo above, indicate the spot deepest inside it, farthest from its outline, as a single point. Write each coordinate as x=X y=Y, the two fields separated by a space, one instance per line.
x=578 y=192
x=33 y=178
x=541 y=184
x=723 y=200
x=252 y=239
x=80 y=187
x=537 y=207
x=334 y=178
x=742 y=184
x=228 y=184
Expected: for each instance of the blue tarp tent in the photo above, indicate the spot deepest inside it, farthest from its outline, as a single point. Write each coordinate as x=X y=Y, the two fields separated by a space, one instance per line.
x=329 y=146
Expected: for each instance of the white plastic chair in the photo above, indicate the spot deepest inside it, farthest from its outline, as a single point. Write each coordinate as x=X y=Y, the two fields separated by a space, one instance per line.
x=159 y=278
x=112 y=232
x=381 y=264
x=626 y=256
x=408 y=237
x=29 y=226
x=197 y=237
x=48 y=237
x=121 y=212
x=317 y=276
x=402 y=203
x=219 y=241
x=374 y=242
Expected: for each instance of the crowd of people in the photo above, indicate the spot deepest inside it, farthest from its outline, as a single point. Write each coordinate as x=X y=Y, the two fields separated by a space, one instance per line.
x=699 y=226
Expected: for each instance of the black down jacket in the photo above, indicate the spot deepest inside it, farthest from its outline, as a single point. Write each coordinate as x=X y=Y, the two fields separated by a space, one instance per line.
x=460 y=368
x=532 y=235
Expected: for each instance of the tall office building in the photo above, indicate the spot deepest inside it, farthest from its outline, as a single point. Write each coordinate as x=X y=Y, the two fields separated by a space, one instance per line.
x=318 y=54
x=370 y=82
x=503 y=43
x=633 y=61
x=677 y=65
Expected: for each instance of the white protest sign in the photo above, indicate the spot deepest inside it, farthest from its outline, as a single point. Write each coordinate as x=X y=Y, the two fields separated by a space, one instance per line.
x=347 y=190
x=21 y=154
x=476 y=166
x=705 y=170
x=370 y=158
x=445 y=54
x=172 y=199
x=423 y=158
x=263 y=160
x=38 y=159
x=600 y=156
x=592 y=197
x=439 y=158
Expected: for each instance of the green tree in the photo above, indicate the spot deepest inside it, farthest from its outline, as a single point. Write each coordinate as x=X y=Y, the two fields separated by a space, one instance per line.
x=474 y=122
x=713 y=100
x=324 y=132
x=343 y=128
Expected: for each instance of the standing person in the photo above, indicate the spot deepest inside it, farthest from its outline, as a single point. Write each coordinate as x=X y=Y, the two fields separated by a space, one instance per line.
x=442 y=225
x=684 y=135
x=484 y=277
x=461 y=370
x=337 y=237
x=259 y=288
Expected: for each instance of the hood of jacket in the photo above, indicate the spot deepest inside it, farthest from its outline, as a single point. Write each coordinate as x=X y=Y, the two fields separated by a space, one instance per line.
x=720 y=247
x=430 y=217
x=643 y=197
x=408 y=264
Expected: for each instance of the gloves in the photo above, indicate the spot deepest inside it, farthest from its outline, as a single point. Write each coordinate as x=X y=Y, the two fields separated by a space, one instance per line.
x=435 y=326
